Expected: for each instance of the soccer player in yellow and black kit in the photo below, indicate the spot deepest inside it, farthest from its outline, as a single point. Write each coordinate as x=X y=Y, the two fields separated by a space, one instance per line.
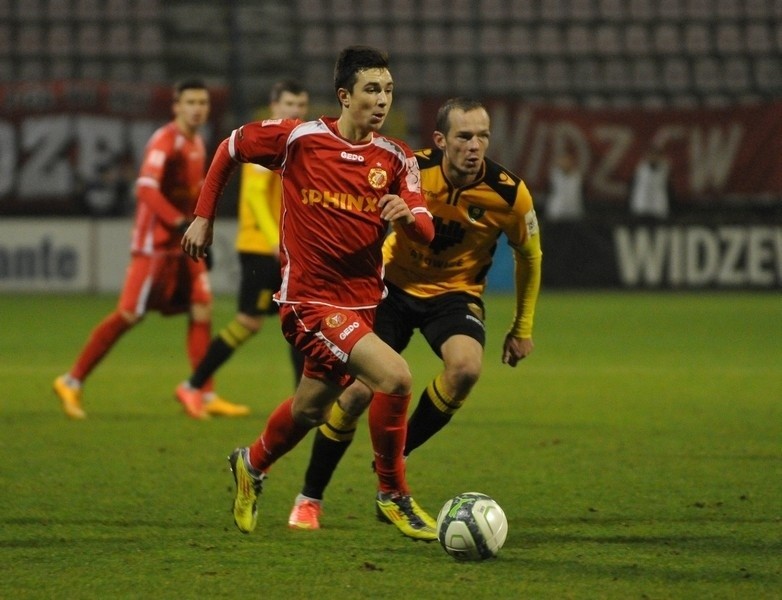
x=437 y=288
x=258 y=244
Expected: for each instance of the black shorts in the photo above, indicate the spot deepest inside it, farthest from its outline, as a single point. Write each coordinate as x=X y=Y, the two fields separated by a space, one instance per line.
x=260 y=280
x=438 y=318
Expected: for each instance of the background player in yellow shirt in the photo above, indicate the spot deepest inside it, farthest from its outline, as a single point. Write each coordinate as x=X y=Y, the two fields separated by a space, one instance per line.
x=257 y=242
x=437 y=288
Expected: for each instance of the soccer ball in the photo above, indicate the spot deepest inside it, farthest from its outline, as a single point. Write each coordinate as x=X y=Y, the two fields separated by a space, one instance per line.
x=472 y=526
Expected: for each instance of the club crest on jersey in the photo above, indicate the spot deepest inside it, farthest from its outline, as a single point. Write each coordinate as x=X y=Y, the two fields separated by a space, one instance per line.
x=334 y=320
x=377 y=178
x=475 y=212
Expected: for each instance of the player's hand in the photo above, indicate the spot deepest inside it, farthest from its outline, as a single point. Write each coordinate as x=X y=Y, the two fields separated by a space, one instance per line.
x=393 y=208
x=198 y=238
x=515 y=349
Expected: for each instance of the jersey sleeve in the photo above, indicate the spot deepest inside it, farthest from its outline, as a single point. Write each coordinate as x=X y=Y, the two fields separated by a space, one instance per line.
x=408 y=186
x=149 y=183
x=524 y=236
x=262 y=142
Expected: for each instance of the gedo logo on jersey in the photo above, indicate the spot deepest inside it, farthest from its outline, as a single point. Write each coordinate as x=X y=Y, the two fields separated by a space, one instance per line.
x=351 y=157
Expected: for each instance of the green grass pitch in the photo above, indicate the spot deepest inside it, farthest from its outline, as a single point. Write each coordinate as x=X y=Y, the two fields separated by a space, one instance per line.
x=637 y=454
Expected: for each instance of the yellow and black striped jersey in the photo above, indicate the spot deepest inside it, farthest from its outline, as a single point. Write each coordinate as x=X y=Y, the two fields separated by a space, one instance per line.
x=468 y=222
x=260 y=198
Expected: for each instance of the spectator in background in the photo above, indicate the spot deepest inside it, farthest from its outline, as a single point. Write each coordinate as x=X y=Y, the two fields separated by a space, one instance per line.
x=650 y=195
x=258 y=243
x=565 y=201
x=159 y=276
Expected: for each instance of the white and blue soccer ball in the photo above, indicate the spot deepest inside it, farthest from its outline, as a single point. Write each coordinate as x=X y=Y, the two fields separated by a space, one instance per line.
x=472 y=526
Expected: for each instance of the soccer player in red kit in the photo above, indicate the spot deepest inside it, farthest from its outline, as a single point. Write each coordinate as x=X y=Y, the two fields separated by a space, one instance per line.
x=342 y=184
x=158 y=277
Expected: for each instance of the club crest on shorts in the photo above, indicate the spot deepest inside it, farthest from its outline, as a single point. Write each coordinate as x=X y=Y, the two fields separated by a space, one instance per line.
x=377 y=177
x=334 y=320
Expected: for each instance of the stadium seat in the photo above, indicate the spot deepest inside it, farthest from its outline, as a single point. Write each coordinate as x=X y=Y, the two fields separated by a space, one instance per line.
x=491 y=41
x=344 y=35
x=729 y=39
x=6 y=37
x=645 y=75
x=500 y=77
x=29 y=10
x=729 y=10
x=404 y=41
x=697 y=39
x=699 y=9
x=520 y=41
x=522 y=11
x=582 y=11
x=527 y=74
x=433 y=40
x=7 y=72
x=5 y=9
x=611 y=10
x=119 y=41
x=29 y=40
x=641 y=11
x=548 y=41
x=553 y=11
x=315 y=41
x=153 y=71
x=59 y=40
x=372 y=10
x=310 y=10
x=707 y=74
x=149 y=41
x=737 y=74
x=768 y=73
x=57 y=10
x=117 y=10
x=402 y=10
x=341 y=11
x=88 y=10
x=579 y=40
x=495 y=10
x=670 y=10
x=462 y=40
x=676 y=75
x=758 y=38
x=616 y=75
x=465 y=74
x=437 y=76
x=667 y=40
x=556 y=76
x=91 y=69
x=32 y=70
x=89 y=40
x=637 y=41
x=757 y=9
x=607 y=40
x=376 y=35
x=148 y=10
x=586 y=75
x=123 y=70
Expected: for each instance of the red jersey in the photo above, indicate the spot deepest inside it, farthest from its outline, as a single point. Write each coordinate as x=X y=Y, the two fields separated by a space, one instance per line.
x=167 y=188
x=331 y=233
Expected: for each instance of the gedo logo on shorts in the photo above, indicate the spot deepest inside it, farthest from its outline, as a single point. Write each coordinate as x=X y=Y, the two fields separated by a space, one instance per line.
x=348 y=330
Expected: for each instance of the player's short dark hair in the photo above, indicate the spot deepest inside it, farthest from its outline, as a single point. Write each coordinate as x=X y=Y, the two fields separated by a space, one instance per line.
x=442 y=123
x=353 y=60
x=285 y=85
x=192 y=83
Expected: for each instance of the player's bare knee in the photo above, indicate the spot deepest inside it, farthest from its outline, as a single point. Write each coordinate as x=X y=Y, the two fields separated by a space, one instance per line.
x=355 y=399
x=398 y=381
x=462 y=376
x=201 y=312
x=249 y=322
x=130 y=318
x=311 y=416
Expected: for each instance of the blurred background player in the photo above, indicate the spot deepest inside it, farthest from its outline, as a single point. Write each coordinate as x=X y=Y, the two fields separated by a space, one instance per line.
x=159 y=276
x=343 y=184
x=650 y=189
x=258 y=244
x=437 y=288
x=565 y=201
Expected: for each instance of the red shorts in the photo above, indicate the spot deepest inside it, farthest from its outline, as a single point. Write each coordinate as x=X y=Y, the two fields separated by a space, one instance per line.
x=326 y=336
x=168 y=282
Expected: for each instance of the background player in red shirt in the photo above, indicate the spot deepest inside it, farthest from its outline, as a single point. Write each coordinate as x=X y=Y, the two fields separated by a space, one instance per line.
x=342 y=184
x=158 y=277
x=258 y=243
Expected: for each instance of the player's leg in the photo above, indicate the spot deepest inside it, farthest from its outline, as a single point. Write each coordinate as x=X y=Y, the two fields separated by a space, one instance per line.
x=285 y=428
x=254 y=301
x=394 y=324
x=104 y=336
x=330 y=443
x=456 y=332
x=378 y=366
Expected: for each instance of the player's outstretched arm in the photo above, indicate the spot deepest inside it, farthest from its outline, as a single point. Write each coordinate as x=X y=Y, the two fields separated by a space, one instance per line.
x=417 y=222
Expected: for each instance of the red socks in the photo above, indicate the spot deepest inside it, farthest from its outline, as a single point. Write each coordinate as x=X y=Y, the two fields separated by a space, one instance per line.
x=199 y=336
x=281 y=435
x=101 y=340
x=388 y=429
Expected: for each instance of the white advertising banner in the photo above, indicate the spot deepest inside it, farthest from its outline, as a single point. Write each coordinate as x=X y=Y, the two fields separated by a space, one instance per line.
x=88 y=255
